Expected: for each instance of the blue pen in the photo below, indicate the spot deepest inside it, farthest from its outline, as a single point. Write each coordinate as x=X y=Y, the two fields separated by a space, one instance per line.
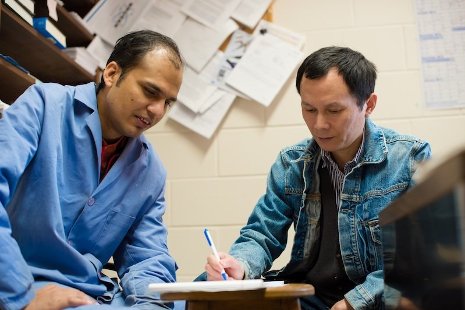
x=212 y=246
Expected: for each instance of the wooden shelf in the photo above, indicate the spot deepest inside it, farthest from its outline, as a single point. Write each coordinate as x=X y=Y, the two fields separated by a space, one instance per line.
x=76 y=34
x=35 y=53
x=79 y=6
x=14 y=82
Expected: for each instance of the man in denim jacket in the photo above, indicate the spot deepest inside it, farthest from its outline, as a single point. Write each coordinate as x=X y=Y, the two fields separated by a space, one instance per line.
x=331 y=188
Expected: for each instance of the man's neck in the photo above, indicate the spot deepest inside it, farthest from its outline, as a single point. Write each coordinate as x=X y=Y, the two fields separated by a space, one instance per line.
x=112 y=140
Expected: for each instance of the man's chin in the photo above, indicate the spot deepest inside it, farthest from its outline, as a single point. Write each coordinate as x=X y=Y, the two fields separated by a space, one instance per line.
x=326 y=145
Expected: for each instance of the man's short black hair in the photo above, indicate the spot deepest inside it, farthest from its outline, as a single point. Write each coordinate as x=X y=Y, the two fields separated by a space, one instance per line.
x=358 y=72
x=131 y=48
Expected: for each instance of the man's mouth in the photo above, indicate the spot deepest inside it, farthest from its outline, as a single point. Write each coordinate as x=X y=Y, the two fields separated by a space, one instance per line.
x=144 y=120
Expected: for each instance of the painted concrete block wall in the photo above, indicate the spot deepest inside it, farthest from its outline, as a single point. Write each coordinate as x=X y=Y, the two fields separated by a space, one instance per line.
x=216 y=183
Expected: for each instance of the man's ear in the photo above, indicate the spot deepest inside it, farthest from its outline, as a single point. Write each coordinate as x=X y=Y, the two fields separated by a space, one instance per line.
x=111 y=73
x=371 y=104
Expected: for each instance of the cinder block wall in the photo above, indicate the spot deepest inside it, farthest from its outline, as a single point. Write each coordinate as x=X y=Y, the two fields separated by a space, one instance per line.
x=216 y=183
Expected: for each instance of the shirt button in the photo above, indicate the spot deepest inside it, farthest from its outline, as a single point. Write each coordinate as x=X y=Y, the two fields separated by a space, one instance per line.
x=91 y=201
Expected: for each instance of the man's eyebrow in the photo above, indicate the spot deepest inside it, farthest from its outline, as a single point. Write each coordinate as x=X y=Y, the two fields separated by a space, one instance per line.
x=334 y=104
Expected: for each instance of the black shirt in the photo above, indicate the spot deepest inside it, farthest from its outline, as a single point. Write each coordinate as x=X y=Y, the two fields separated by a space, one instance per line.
x=327 y=274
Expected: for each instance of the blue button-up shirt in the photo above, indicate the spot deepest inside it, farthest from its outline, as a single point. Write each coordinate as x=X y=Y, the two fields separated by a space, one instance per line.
x=58 y=222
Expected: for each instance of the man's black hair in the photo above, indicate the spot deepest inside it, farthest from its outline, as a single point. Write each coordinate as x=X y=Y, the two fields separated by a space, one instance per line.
x=358 y=72
x=131 y=48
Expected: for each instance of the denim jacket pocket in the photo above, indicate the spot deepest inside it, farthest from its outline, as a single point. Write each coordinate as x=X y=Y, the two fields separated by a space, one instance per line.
x=375 y=248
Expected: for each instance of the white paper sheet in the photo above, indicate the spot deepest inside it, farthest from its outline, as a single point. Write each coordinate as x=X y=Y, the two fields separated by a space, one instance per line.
x=207 y=286
x=249 y=12
x=111 y=19
x=212 y=100
x=231 y=57
x=204 y=124
x=264 y=68
x=291 y=37
x=162 y=16
x=198 y=43
x=194 y=90
x=100 y=50
x=211 y=13
x=214 y=74
x=52 y=9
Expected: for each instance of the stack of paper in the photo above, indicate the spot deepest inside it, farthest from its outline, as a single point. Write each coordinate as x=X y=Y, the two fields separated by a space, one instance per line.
x=83 y=58
x=24 y=9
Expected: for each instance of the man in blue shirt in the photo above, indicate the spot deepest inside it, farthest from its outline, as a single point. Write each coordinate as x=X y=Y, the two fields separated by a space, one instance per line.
x=331 y=188
x=79 y=183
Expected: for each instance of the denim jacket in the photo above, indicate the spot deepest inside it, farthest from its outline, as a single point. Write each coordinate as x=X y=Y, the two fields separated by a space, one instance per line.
x=384 y=171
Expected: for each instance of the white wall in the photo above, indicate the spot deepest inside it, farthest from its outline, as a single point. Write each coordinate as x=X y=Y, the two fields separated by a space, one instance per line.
x=215 y=183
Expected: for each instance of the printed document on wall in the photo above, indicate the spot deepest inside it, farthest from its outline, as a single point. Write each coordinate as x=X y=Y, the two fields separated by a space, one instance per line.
x=162 y=16
x=195 y=90
x=211 y=13
x=199 y=43
x=264 y=69
x=249 y=12
x=207 y=122
x=441 y=27
x=112 y=19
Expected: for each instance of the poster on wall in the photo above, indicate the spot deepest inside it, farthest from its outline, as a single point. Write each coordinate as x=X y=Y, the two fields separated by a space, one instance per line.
x=441 y=27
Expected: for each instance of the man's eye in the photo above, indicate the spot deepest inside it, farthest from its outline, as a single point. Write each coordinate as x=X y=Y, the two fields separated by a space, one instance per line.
x=151 y=92
x=334 y=111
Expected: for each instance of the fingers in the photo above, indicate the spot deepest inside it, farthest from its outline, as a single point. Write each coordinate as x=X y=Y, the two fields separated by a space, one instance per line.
x=232 y=267
x=54 y=297
x=213 y=268
x=212 y=275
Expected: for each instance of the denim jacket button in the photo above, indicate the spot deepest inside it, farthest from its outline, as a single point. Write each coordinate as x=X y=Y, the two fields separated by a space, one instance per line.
x=91 y=201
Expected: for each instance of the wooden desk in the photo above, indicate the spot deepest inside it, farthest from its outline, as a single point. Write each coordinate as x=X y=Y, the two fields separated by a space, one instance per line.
x=271 y=298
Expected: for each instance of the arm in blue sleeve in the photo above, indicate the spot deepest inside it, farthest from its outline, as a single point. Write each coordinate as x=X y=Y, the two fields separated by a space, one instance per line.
x=143 y=258
x=19 y=135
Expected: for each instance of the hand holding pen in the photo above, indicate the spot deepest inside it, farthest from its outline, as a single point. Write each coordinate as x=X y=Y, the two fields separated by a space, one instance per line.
x=215 y=253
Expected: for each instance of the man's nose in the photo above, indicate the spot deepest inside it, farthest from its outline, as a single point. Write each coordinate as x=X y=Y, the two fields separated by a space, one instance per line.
x=321 y=122
x=157 y=107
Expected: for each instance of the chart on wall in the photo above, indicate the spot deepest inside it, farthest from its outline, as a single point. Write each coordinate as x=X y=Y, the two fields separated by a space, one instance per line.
x=441 y=27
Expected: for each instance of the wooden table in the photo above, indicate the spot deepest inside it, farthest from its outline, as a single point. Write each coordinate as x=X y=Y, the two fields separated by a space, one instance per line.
x=271 y=298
